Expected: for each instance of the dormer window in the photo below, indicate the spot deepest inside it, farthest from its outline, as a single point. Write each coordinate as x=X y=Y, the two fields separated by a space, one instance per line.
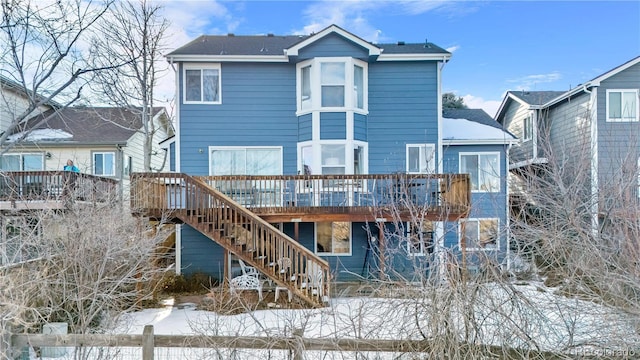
x=325 y=83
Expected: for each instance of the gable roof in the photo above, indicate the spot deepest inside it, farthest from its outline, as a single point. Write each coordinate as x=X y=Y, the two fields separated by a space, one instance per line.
x=278 y=48
x=85 y=125
x=472 y=126
x=16 y=87
x=544 y=99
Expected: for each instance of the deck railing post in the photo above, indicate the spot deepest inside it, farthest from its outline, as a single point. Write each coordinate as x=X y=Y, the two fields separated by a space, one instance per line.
x=148 y=343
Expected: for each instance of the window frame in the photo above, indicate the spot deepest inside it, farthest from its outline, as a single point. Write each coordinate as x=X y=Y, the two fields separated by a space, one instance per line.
x=245 y=148
x=479 y=154
x=527 y=128
x=636 y=117
x=430 y=164
x=22 y=155
x=113 y=163
x=201 y=67
x=491 y=246
x=315 y=239
x=315 y=150
x=315 y=85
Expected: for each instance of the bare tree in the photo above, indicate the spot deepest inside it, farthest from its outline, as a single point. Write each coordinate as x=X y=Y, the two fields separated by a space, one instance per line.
x=134 y=35
x=47 y=56
x=85 y=268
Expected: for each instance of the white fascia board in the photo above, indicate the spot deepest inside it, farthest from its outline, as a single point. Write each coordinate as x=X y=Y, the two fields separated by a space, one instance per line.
x=414 y=57
x=228 y=58
x=480 y=142
x=373 y=50
x=614 y=71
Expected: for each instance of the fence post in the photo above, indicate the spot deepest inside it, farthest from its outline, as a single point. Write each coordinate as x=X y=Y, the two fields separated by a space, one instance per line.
x=148 y=343
x=5 y=340
x=298 y=346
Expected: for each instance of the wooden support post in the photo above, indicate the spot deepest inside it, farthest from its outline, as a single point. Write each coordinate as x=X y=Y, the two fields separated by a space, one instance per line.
x=148 y=343
x=5 y=340
x=298 y=348
x=227 y=274
x=296 y=231
x=382 y=248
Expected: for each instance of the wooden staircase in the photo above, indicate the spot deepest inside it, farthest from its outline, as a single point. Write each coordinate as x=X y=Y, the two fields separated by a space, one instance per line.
x=244 y=234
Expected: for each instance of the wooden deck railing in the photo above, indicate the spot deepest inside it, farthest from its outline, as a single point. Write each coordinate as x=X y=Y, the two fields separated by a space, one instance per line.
x=236 y=228
x=54 y=185
x=273 y=194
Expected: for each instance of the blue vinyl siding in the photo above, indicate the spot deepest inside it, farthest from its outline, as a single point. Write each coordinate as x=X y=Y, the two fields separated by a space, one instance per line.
x=258 y=109
x=305 y=128
x=360 y=127
x=333 y=46
x=403 y=109
x=333 y=126
x=200 y=254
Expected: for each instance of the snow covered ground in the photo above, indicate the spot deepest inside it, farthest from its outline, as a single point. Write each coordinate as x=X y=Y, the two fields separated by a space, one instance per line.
x=522 y=316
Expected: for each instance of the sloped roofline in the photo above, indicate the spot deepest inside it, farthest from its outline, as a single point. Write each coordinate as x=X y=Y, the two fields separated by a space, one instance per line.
x=593 y=82
x=331 y=29
x=578 y=89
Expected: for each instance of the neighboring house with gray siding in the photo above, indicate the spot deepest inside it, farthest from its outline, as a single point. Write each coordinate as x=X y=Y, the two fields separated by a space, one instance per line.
x=597 y=122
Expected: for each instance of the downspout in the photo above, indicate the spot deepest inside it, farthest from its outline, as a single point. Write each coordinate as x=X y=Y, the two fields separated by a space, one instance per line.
x=508 y=208
x=119 y=165
x=593 y=122
x=178 y=259
x=439 y=226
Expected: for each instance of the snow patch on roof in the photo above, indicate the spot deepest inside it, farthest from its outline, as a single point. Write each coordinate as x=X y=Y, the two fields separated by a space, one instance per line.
x=41 y=135
x=463 y=129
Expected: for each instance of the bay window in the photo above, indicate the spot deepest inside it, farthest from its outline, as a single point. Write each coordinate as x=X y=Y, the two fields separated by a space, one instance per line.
x=325 y=83
x=332 y=157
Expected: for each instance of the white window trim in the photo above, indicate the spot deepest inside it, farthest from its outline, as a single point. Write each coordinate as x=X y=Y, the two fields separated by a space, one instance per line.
x=93 y=165
x=430 y=163
x=527 y=120
x=315 y=240
x=279 y=148
x=186 y=67
x=488 y=248
x=316 y=86
x=460 y=155
x=316 y=150
x=637 y=110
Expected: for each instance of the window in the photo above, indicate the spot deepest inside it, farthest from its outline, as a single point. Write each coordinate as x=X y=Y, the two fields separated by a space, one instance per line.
x=420 y=158
x=419 y=238
x=104 y=164
x=622 y=105
x=479 y=234
x=326 y=83
x=527 y=128
x=202 y=84
x=19 y=236
x=333 y=238
x=127 y=165
x=21 y=162
x=246 y=161
x=484 y=170
x=333 y=159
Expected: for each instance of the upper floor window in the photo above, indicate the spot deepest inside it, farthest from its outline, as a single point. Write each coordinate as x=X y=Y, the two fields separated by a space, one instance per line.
x=202 y=84
x=21 y=162
x=622 y=105
x=104 y=163
x=332 y=157
x=527 y=128
x=326 y=83
x=484 y=170
x=420 y=158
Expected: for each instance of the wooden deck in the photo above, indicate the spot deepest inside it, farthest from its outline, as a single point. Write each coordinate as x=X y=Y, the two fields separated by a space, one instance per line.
x=311 y=198
x=38 y=190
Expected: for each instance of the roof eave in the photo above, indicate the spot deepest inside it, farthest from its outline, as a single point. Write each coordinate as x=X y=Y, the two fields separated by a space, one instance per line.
x=479 y=141
x=228 y=58
x=415 y=57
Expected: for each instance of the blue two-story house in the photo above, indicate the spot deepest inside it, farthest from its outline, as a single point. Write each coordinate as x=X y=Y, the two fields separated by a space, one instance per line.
x=325 y=154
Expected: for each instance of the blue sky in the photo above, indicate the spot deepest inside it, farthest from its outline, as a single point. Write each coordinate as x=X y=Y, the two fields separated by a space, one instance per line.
x=497 y=45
